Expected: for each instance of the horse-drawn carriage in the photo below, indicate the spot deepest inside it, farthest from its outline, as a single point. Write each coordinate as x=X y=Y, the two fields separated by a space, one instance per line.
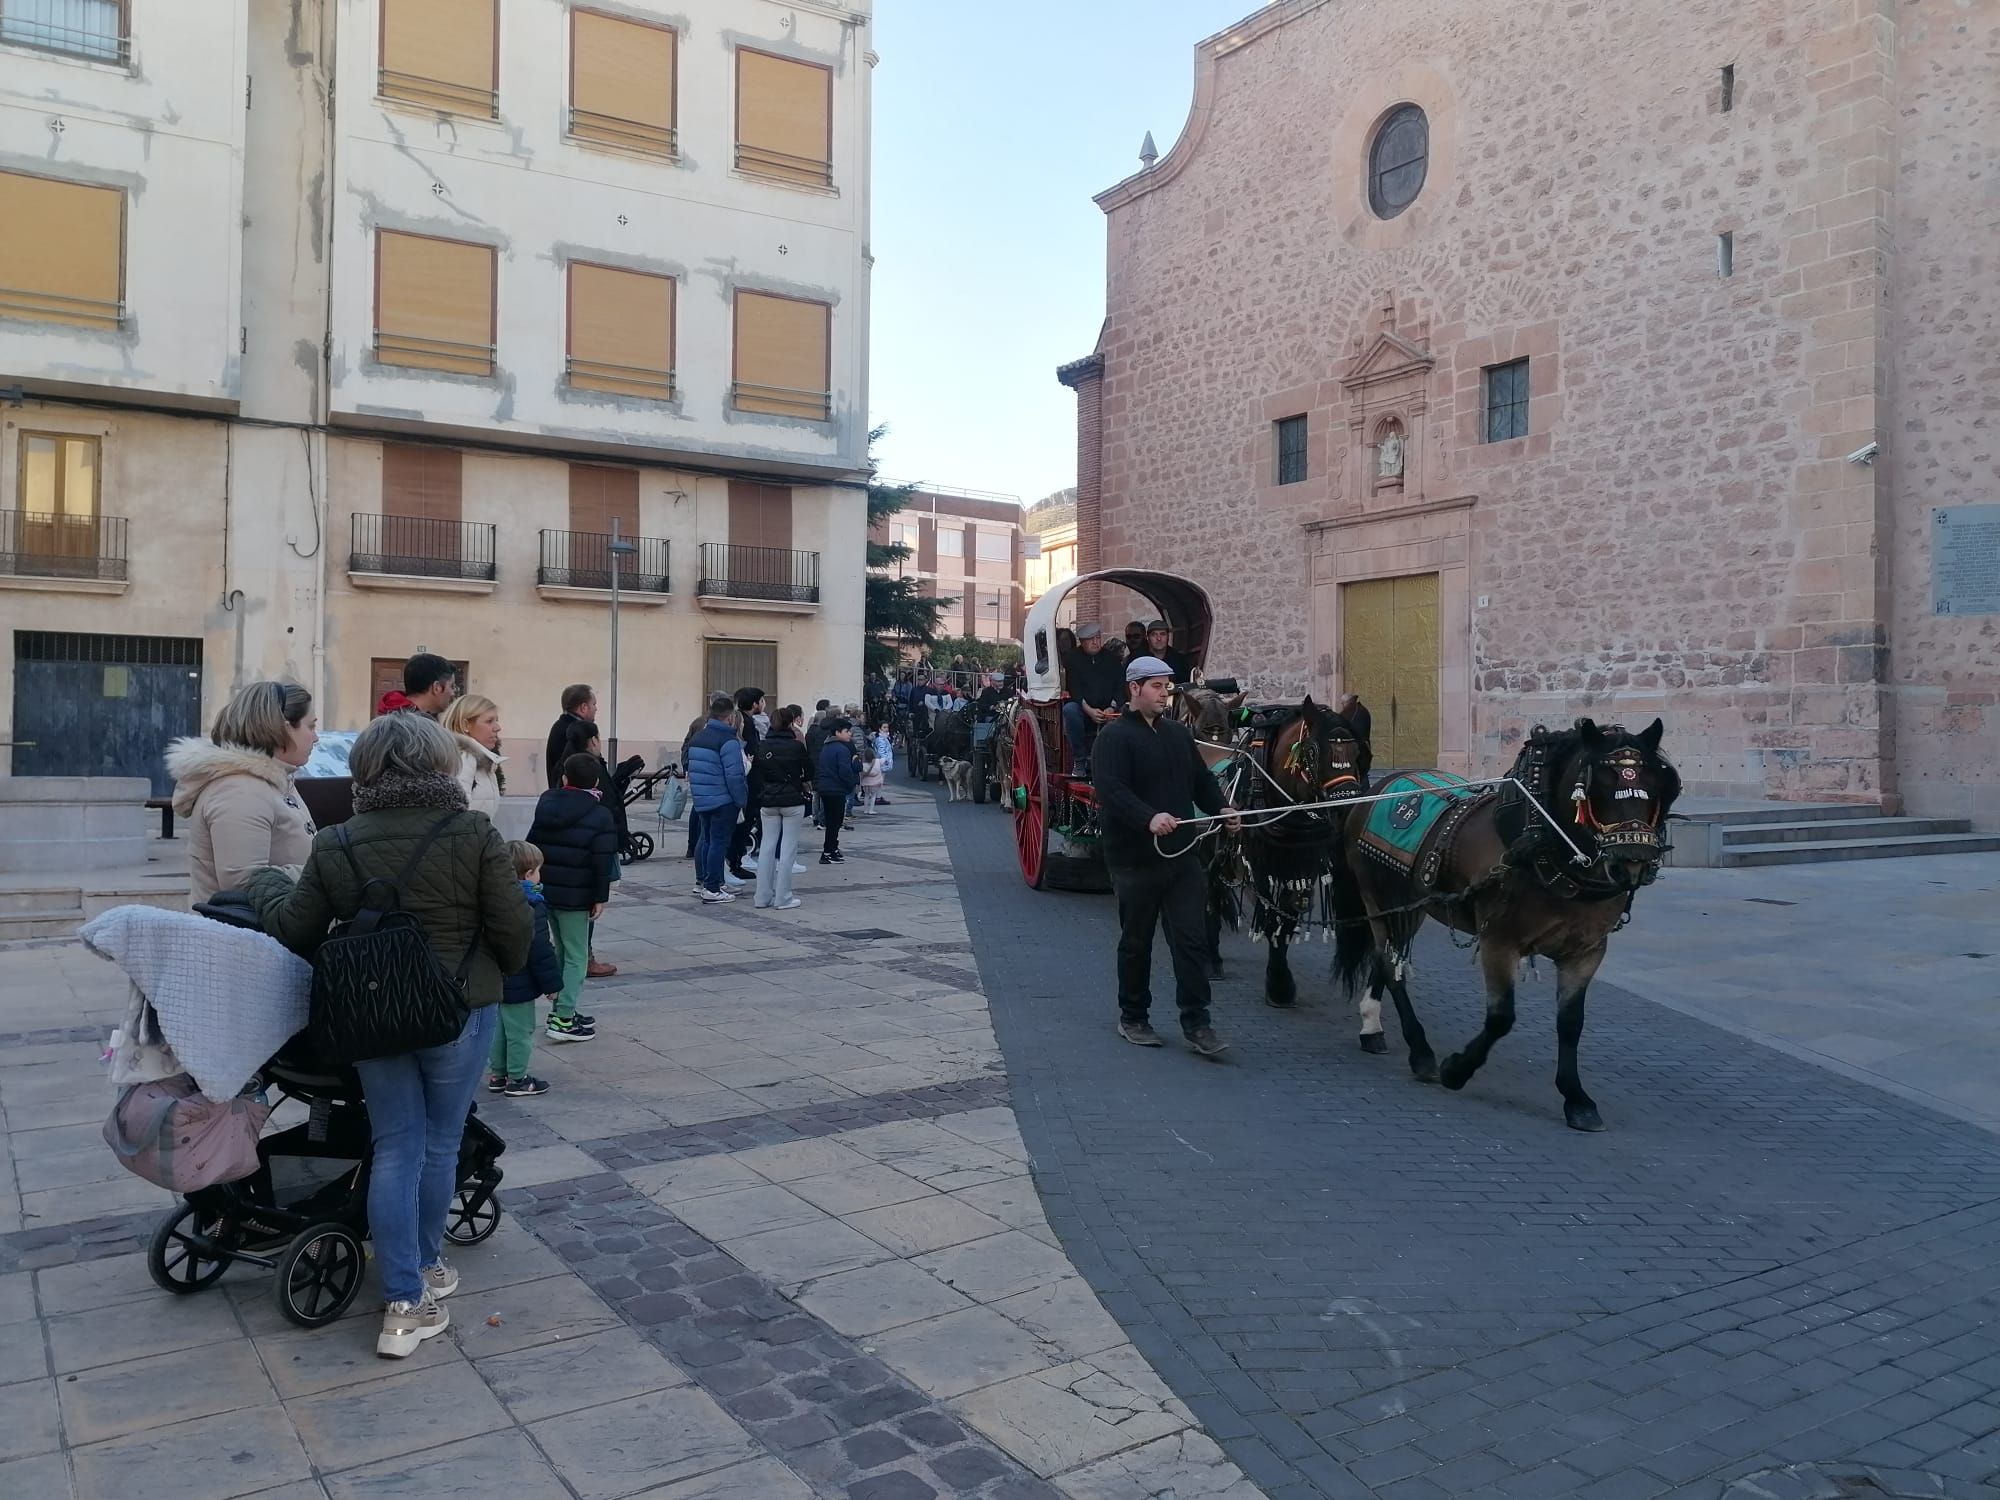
x=1055 y=813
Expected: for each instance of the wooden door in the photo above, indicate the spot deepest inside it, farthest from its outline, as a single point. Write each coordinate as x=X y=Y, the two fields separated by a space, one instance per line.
x=1389 y=658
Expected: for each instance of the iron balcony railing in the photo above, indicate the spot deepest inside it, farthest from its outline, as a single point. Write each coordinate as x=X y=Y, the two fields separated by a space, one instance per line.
x=99 y=30
x=781 y=401
x=436 y=93
x=39 y=544
x=58 y=307
x=628 y=135
x=777 y=573
x=582 y=560
x=619 y=380
x=783 y=166
x=416 y=547
x=392 y=348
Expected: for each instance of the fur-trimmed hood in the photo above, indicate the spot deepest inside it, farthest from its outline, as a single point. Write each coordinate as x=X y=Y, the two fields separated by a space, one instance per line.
x=486 y=760
x=195 y=764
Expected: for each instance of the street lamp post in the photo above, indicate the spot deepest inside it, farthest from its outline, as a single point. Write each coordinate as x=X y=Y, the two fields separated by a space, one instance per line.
x=620 y=547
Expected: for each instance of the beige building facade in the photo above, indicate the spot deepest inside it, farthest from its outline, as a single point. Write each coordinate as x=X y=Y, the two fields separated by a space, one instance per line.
x=1665 y=391
x=340 y=330
x=965 y=545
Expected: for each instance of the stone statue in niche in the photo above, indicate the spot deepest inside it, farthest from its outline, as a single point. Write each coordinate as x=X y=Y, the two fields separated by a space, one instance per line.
x=1390 y=461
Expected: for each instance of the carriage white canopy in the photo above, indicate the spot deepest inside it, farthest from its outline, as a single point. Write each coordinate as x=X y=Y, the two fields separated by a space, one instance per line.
x=1181 y=602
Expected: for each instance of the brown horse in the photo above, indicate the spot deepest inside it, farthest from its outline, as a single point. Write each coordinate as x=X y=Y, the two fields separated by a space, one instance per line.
x=1296 y=754
x=1212 y=716
x=1512 y=881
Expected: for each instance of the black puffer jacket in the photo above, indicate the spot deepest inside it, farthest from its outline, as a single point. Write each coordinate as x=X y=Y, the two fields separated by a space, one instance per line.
x=465 y=884
x=578 y=838
x=781 y=775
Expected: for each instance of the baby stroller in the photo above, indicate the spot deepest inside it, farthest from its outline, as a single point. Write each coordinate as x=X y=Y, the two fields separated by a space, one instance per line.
x=294 y=1216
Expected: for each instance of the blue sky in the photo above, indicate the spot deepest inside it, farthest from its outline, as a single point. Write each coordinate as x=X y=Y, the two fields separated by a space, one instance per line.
x=994 y=125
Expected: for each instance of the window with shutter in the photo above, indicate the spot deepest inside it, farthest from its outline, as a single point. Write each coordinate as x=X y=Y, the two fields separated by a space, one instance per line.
x=729 y=665
x=782 y=356
x=784 y=118
x=442 y=54
x=423 y=483
x=598 y=494
x=760 y=515
x=621 y=331
x=62 y=251
x=433 y=303
x=621 y=83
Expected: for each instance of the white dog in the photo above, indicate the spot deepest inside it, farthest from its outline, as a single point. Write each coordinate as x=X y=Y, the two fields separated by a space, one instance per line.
x=957 y=778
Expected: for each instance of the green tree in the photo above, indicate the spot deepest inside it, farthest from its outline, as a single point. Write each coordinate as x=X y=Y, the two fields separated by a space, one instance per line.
x=895 y=611
x=990 y=655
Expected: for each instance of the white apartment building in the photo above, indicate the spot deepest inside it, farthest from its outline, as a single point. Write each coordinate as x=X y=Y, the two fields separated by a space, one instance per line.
x=341 y=329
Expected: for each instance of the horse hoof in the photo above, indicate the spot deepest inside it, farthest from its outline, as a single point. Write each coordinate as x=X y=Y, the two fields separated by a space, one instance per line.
x=1583 y=1117
x=1374 y=1041
x=1453 y=1073
x=1281 y=1002
x=1424 y=1069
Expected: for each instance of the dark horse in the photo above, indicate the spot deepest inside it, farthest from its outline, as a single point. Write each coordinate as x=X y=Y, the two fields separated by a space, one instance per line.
x=1211 y=716
x=1509 y=879
x=1296 y=754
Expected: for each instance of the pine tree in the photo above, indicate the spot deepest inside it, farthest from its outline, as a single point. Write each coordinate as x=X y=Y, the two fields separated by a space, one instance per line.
x=895 y=610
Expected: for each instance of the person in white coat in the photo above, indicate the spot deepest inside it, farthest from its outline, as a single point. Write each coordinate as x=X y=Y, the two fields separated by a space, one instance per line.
x=235 y=788
x=474 y=723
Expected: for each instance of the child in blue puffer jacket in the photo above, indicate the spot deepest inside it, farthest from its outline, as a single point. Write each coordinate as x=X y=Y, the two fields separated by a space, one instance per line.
x=514 y=1041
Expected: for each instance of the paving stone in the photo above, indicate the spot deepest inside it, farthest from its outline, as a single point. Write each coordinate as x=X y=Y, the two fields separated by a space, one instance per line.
x=620 y=1447
x=879 y=1297
x=1073 y=1414
x=736 y=1215
x=870 y=1185
x=551 y=1379
x=217 y=1458
x=1003 y=1265
x=112 y=1400
x=500 y=1463
x=1064 y=1313
x=403 y=1413
x=161 y=1325
x=795 y=1256
x=45 y=1477
x=962 y=1351
x=30 y=1421
x=928 y=1221
x=760 y=1479
x=673 y=1182
x=556 y=1308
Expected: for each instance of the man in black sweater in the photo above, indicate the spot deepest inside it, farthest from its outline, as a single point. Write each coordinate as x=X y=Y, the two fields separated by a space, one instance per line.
x=1149 y=774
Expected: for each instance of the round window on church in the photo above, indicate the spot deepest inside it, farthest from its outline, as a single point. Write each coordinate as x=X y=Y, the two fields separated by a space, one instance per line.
x=1398 y=161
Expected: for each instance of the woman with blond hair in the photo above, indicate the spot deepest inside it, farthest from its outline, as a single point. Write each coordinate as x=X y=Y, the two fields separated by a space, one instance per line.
x=235 y=787
x=474 y=722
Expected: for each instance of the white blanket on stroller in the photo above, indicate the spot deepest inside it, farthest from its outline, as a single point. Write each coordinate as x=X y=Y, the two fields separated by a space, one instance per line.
x=227 y=997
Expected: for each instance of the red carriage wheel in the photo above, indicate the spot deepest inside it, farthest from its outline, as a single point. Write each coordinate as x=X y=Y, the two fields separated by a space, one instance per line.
x=1030 y=799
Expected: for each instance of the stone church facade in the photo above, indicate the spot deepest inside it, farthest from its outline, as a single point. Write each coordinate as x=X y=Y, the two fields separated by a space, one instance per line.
x=1512 y=362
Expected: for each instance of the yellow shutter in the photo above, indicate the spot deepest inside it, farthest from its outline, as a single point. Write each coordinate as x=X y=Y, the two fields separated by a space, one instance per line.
x=781 y=356
x=622 y=83
x=621 y=331
x=784 y=118
x=433 y=303
x=62 y=251
x=442 y=54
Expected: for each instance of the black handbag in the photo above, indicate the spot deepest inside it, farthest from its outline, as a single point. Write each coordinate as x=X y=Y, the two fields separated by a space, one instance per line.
x=378 y=990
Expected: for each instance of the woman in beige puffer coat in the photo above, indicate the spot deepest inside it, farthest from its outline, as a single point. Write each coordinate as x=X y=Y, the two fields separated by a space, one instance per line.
x=235 y=788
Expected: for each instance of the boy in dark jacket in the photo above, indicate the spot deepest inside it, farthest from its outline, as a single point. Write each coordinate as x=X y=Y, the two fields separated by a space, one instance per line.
x=514 y=1041
x=579 y=840
x=839 y=774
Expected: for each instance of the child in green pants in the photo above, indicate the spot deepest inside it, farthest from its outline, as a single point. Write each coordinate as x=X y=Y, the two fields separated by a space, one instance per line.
x=514 y=1041
x=579 y=841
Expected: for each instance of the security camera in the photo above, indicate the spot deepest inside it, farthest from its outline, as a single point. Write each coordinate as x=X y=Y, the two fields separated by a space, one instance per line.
x=1865 y=454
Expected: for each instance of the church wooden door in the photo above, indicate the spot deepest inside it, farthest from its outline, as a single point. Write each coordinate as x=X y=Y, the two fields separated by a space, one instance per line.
x=1389 y=657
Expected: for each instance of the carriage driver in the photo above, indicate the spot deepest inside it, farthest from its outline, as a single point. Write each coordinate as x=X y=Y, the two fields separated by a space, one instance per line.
x=1096 y=693
x=1149 y=775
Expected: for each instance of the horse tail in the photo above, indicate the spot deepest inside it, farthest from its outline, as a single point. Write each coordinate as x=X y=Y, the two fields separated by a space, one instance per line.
x=1353 y=934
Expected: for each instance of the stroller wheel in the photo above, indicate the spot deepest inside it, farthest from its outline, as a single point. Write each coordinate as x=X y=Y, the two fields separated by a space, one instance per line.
x=473 y=1216
x=641 y=846
x=319 y=1273
x=177 y=1257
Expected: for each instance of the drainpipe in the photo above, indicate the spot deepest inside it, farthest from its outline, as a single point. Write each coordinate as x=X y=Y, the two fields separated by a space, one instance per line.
x=323 y=501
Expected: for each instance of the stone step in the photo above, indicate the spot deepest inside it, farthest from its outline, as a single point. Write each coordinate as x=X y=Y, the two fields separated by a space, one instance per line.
x=1784 y=812
x=1839 y=830
x=36 y=898
x=1737 y=855
x=17 y=925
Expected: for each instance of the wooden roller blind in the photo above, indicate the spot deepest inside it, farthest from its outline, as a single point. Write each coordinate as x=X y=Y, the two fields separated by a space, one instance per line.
x=62 y=251
x=425 y=484
x=622 y=83
x=597 y=494
x=760 y=515
x=443 y=54
x=784 y=118
x=433 y=303
x=621 y=331
x=782 y=356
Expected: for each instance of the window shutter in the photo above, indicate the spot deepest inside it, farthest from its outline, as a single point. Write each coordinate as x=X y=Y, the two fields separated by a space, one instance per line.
x=781 y=356
x=433 y=303
x=424 y=483
x=622 y=83
x=784 y=118
x=62 y=251
x=621 y=331
x=598 y=494
x=442 y=54
x=760 y=515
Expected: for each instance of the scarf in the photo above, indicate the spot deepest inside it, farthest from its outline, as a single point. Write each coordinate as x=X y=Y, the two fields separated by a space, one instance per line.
x=408 y=789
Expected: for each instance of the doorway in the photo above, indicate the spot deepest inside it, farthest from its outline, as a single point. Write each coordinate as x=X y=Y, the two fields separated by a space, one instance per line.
x=1389 y=657
x=103 y=705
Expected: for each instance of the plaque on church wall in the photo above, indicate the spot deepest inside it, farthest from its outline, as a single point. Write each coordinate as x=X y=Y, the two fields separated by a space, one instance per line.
x=1965 y=560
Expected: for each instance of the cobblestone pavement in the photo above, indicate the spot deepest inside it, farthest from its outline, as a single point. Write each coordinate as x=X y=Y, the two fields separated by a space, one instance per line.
x=1765 y=1279
x=770 y=1237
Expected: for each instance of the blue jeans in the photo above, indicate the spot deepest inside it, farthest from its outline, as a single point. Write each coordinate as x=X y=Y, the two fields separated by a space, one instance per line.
x=711 y=856
x=417 y=1104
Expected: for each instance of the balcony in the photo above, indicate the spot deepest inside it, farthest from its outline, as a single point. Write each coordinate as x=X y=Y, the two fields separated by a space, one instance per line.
x=414 y=552
x=577 y=565
x=66 y=554
x=758 y=578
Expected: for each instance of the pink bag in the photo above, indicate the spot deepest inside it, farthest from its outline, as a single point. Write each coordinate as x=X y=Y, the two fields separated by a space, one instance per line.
x=178 y=1138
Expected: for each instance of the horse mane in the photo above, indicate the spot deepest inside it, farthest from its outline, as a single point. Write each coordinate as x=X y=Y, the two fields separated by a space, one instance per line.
x=1556 y=746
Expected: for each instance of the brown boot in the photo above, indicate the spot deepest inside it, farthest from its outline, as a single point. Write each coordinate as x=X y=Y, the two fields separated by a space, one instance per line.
x=598 y=969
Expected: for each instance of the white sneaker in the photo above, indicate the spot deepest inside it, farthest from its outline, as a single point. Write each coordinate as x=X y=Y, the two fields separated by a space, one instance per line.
x=698 y=889
x=798 y=869
x=440 y=1280
x=788 y=905
x=407 y=1324
x=750 y=863
x=734 y=883
x=715 y=897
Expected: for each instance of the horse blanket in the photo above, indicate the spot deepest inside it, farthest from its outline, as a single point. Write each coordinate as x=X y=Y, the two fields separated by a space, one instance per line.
x=1399 y=830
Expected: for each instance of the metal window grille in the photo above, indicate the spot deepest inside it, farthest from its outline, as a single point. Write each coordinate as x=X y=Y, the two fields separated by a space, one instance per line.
x=627 y=135
x=1398 y=161
x=114 y=650
x=1506 y=401
x=93 y=29
x=436 y=93
x=1291 y=434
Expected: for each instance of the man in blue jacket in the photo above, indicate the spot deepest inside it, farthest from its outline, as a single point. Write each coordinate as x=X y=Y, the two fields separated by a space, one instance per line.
x=719 y=790
x=838 y=775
